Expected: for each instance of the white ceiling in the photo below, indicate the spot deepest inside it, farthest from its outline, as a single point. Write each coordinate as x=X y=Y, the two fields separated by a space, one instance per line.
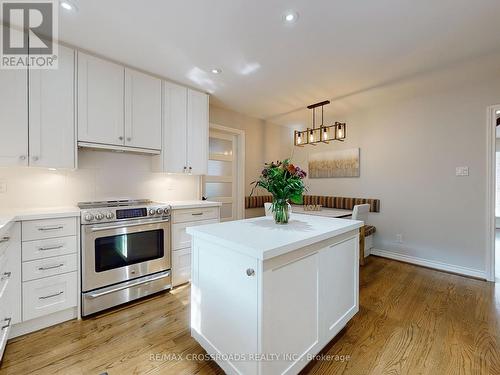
x=336 y=48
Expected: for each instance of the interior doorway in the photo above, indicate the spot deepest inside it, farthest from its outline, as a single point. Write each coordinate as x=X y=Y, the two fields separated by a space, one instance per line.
x=226 y=171
x=493 y=194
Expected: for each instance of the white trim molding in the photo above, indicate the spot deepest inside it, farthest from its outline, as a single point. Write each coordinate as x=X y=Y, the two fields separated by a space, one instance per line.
x=480 y=274
x=490 y=190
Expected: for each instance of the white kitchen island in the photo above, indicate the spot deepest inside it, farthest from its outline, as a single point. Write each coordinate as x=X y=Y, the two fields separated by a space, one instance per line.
x=266 y=298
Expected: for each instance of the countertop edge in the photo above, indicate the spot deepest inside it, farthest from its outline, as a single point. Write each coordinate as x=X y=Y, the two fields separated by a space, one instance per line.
x=265 y=254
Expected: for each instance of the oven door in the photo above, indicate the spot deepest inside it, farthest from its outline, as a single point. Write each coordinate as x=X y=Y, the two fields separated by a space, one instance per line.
x=117 y=252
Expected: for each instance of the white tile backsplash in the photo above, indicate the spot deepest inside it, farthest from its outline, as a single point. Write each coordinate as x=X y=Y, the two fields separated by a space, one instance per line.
x=100 y=175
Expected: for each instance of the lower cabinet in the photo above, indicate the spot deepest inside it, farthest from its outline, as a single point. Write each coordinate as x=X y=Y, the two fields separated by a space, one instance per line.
x=181 y=241
x=49 y=295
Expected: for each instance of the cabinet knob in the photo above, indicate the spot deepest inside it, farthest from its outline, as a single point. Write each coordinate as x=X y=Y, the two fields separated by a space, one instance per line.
x=250 y=272
x=35 y=158
x=22 y=157
x=120 y=138
x=185 y=169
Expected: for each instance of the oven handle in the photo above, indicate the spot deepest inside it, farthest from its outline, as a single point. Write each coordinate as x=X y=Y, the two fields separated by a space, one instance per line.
x=97 y=229
x=130 y=284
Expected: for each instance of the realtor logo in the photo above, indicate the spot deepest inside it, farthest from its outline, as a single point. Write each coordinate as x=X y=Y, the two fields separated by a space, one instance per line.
x=29 y=29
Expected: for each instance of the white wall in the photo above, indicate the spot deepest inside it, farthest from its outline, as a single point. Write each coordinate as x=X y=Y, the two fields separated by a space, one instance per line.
x=412 y=134
x=101 y=175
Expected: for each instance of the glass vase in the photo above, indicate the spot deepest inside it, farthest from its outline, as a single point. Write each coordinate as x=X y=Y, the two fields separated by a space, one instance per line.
x=281 y=211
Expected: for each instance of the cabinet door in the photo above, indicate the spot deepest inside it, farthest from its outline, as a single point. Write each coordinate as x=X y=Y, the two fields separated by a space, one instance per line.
x=142 y=110
x=52 y=114
x=174 y=128
x=197 y=132
x=100 y=101
x=13 y=117
x=224 y=298
x=13 y=290
x=339 y=285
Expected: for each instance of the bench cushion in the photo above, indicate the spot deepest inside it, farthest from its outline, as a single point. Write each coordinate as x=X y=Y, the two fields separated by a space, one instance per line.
x=257 y=201
x=369 y=230
x=342 y=203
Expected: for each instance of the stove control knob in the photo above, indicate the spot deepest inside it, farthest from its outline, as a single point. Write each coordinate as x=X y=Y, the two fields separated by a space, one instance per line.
x=88 y=217
x=99 y=216
x=109 y=215
x=159 y=211
x=151 y=211
x=166 y=211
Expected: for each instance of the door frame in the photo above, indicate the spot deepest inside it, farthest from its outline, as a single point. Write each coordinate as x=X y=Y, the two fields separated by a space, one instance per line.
x=490 y=190
x=240 y=167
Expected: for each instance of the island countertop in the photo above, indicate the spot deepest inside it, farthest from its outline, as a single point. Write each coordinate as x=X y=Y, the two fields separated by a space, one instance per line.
x=263 y=239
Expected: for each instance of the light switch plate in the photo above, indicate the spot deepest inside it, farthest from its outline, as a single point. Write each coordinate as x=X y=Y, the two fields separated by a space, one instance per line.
x=462 y=171
x=3 y=187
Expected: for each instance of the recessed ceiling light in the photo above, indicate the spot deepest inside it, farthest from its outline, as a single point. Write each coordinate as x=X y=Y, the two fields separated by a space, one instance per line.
x=290 y=17
x=216 y=71
x=68 y=5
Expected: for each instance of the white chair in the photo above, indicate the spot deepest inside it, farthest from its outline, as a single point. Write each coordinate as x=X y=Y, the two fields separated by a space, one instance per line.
x=267 y=208
x=360 y=212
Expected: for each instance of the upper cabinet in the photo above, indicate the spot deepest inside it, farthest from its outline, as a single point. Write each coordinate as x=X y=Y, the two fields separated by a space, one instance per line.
x=13 y=117
x=185 y=131
x=52 y=114
x=197 y=132
x=47 y=123
x=100 y=101
x=117 y=106
x=142 y=110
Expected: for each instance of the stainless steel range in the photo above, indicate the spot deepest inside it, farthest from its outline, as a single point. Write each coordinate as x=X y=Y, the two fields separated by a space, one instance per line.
x=125 y=252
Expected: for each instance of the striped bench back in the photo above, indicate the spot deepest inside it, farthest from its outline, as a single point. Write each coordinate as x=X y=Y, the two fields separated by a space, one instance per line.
x=342 y=203
x=257 y=201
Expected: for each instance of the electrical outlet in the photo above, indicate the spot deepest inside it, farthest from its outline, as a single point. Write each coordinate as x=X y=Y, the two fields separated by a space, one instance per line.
x=399 y=238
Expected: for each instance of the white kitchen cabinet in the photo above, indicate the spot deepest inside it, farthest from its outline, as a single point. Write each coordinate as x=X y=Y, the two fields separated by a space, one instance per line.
x=100 y=101
x=142 y=110
x=197 y=132
x=285 y=290
x=185 y=131
x=174 y=151
x=13 y=117
x=52 y=114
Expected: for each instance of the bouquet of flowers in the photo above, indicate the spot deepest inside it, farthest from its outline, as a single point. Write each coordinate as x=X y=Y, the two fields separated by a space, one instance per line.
x=285 y=182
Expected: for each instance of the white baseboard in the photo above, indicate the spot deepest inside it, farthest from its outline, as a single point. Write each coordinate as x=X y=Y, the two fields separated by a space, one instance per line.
x=43 y=322
x=430 y=263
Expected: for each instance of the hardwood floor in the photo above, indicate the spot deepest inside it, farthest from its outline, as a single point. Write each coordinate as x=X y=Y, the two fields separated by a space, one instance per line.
x=412 y=320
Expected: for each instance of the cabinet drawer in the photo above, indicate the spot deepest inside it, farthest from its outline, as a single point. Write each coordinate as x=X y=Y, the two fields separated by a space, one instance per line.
x=6 y=238
x=49 y=228
x=52 y=247
x=195 y=214
x=49 y=295
x=181 y=266
x=182 y=240
x=37 y=269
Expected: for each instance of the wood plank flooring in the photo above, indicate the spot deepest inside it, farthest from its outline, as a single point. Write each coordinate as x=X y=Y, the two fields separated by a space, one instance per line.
x=412 y=320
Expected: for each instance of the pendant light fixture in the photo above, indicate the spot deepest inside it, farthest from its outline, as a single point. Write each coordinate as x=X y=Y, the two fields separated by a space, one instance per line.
x=322 y=133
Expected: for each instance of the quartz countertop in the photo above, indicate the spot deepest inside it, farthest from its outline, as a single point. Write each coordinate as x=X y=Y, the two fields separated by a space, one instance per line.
x=177 y=205
x=10 y=215
x=262 y=238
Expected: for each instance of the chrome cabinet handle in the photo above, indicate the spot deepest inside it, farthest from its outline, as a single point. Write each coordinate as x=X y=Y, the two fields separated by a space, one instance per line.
x=4 y=239
x=50 y=248
x=198 y=214
x=51 y=228
x=50 y=267
x=8 y=320
x=51 y=295
x=6 y=275
x=250 y=272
